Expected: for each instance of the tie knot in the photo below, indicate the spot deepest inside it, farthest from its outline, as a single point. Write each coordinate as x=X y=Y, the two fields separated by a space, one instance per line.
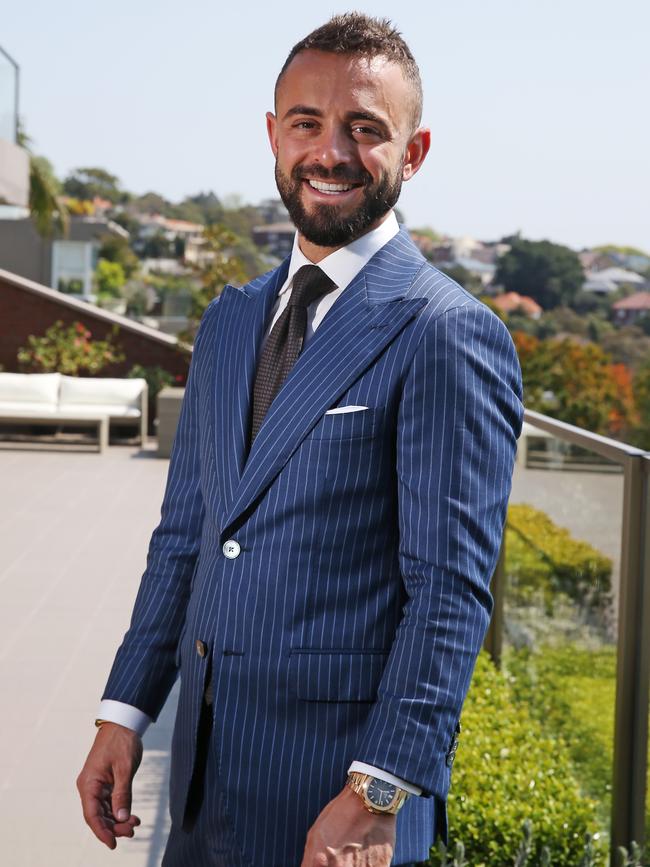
x=309 y=283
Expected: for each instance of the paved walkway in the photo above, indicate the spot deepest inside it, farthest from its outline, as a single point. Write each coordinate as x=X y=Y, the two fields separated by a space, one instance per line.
x=75 y=528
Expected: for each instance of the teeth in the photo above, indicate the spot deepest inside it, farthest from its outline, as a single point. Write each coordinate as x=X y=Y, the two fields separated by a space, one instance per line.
x=330 y=188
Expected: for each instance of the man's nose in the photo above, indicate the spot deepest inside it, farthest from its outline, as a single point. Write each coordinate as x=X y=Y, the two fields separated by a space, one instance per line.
x=334 y=147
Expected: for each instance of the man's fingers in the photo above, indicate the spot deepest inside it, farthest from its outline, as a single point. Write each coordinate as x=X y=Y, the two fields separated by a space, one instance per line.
x=121 y=797
x=93 y=812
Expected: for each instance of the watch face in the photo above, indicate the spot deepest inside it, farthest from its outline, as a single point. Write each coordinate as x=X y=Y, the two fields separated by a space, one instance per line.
x=380 y=793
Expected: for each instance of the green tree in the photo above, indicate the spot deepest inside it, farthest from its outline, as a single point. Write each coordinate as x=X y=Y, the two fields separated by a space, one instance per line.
x=152 y=203
x=549 y=273
x=428 y=232
x=86 y=183
x=221 y=267
x=574 y=382
x=115 y=248
x=627 y=345
x=465 y=278
x=109 y=278
x=208 y=206
x=46 y=207
x=641 y=389
x=241 y=220
x=617 y=248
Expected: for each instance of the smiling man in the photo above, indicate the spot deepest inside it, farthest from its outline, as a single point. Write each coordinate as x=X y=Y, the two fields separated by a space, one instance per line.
x=334 y=508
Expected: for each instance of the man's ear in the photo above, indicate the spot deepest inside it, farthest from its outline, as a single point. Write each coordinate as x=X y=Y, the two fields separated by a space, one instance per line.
x=271 y=129
x=416 y=151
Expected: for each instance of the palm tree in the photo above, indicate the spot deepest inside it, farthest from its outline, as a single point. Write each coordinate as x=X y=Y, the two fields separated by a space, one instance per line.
x=46 y=206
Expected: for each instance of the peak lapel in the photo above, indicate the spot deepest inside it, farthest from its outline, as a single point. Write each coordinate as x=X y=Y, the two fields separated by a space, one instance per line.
x=244 y=314
x=364 y=319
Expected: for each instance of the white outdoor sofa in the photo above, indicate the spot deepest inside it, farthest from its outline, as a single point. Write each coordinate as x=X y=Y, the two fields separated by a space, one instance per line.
x=54 y=398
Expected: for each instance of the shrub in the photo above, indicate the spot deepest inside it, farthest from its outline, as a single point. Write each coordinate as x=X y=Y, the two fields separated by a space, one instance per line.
x=542 y=557
x=156 y=376
x=109 y=279
x=634 y=857
x=507 y=771
x=69 y=350
x=571 y=691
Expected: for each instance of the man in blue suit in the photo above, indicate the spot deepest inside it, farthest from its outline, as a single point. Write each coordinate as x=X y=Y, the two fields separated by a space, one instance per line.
x=333 y=512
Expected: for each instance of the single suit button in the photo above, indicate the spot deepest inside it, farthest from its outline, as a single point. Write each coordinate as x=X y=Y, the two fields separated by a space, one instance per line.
x=231 y=549
x=201 y=648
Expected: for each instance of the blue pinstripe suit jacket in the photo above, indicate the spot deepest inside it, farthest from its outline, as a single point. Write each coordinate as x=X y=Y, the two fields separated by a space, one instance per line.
x=349 y=625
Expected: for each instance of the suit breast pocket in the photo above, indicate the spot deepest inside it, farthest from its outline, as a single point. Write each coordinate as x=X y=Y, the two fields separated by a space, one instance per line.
x=356 y=424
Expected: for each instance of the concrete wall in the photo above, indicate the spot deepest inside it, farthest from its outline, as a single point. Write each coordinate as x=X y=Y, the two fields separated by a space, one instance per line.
x=14 y=174
x=24 y=252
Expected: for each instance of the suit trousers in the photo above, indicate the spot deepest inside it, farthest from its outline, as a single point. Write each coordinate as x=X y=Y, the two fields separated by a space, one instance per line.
x=206 y=838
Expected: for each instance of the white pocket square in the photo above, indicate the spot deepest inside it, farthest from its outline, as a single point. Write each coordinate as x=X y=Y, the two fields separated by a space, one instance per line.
x=338 y=409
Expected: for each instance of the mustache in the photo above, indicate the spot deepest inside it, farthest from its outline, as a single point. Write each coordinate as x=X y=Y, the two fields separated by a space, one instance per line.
x=340 y=174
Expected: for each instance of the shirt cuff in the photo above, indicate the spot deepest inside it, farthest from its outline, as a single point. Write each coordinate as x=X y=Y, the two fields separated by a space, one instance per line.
x=363 y=768
x=125 y=715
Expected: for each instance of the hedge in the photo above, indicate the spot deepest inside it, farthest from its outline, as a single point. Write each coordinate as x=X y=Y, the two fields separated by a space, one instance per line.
x=507 y=771
x=543 y=557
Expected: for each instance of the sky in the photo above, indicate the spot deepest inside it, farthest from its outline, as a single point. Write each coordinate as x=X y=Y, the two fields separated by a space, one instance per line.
x=539 y=109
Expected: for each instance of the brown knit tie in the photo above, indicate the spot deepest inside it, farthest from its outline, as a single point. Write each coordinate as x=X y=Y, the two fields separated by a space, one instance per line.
x=284 y=343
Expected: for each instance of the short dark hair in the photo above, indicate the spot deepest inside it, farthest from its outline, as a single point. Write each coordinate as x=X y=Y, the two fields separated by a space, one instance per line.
x=356 y=33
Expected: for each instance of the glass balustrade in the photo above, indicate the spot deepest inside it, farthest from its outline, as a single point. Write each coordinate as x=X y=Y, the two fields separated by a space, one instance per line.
x=8 y=97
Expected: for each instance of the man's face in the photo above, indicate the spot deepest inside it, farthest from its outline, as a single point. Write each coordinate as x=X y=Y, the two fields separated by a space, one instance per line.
x=343 y=143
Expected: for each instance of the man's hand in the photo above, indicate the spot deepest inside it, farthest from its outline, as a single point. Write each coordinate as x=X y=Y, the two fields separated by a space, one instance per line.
x=104 y=783
x=347 y=835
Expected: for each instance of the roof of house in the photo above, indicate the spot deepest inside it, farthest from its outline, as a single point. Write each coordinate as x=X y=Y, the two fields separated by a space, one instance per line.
x=170 y=223
x=510 y=301
x=85 y=307
x=471 y=264
x=616 y=275
x=637 y=301
x=596 y=283
x=286 y=226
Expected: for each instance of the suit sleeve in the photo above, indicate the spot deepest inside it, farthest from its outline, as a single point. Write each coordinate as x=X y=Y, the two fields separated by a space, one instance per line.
x=460 y=415
x=144 y=669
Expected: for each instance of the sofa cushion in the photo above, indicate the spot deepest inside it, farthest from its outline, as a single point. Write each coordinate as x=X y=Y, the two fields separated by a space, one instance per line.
x=107 y=392
x=30 y=387
x=26 y=407
x=115 y=410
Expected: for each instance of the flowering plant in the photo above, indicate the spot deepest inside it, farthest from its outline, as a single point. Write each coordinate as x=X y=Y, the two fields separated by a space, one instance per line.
x=69 y=350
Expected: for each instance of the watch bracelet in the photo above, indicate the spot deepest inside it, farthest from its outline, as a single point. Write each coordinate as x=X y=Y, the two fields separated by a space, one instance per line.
x=358 y=782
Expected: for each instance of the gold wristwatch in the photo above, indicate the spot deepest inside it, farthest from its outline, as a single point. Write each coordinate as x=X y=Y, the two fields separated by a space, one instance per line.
x=378 y=796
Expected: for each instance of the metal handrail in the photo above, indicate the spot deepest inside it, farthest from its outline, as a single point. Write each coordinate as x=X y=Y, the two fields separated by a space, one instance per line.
x=608 y=448
x=630 y=756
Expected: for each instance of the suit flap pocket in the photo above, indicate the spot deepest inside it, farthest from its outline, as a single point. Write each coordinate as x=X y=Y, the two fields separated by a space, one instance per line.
x=338 y=675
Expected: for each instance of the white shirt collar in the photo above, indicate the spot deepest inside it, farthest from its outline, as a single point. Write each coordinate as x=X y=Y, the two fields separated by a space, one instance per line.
x=343 y=265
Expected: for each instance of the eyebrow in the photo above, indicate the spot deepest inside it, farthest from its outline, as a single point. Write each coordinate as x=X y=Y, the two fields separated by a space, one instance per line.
x=311 y=111
x=303 y=109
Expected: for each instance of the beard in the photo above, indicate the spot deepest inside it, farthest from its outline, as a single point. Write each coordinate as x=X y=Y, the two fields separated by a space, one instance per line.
x=326 y=225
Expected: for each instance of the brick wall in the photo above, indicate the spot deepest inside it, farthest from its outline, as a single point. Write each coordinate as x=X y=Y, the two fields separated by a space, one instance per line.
x=28 y=308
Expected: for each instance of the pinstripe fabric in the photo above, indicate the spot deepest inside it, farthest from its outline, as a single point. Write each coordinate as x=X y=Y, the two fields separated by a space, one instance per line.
x=349 y=624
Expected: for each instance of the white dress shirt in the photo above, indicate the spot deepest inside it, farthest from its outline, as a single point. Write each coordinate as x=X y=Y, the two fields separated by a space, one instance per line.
x=341 y=267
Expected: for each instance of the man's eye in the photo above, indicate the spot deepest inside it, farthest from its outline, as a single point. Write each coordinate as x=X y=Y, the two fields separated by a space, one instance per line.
x=304 y=124
x=365 y=131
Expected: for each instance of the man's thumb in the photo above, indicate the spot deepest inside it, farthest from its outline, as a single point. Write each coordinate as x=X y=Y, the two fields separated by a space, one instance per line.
x=121 y=799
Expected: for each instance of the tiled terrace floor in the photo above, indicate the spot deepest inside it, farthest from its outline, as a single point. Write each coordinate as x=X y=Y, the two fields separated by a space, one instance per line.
x=74 y=530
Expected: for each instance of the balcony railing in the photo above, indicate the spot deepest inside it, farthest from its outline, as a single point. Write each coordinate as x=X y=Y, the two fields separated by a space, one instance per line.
x=629 y=633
